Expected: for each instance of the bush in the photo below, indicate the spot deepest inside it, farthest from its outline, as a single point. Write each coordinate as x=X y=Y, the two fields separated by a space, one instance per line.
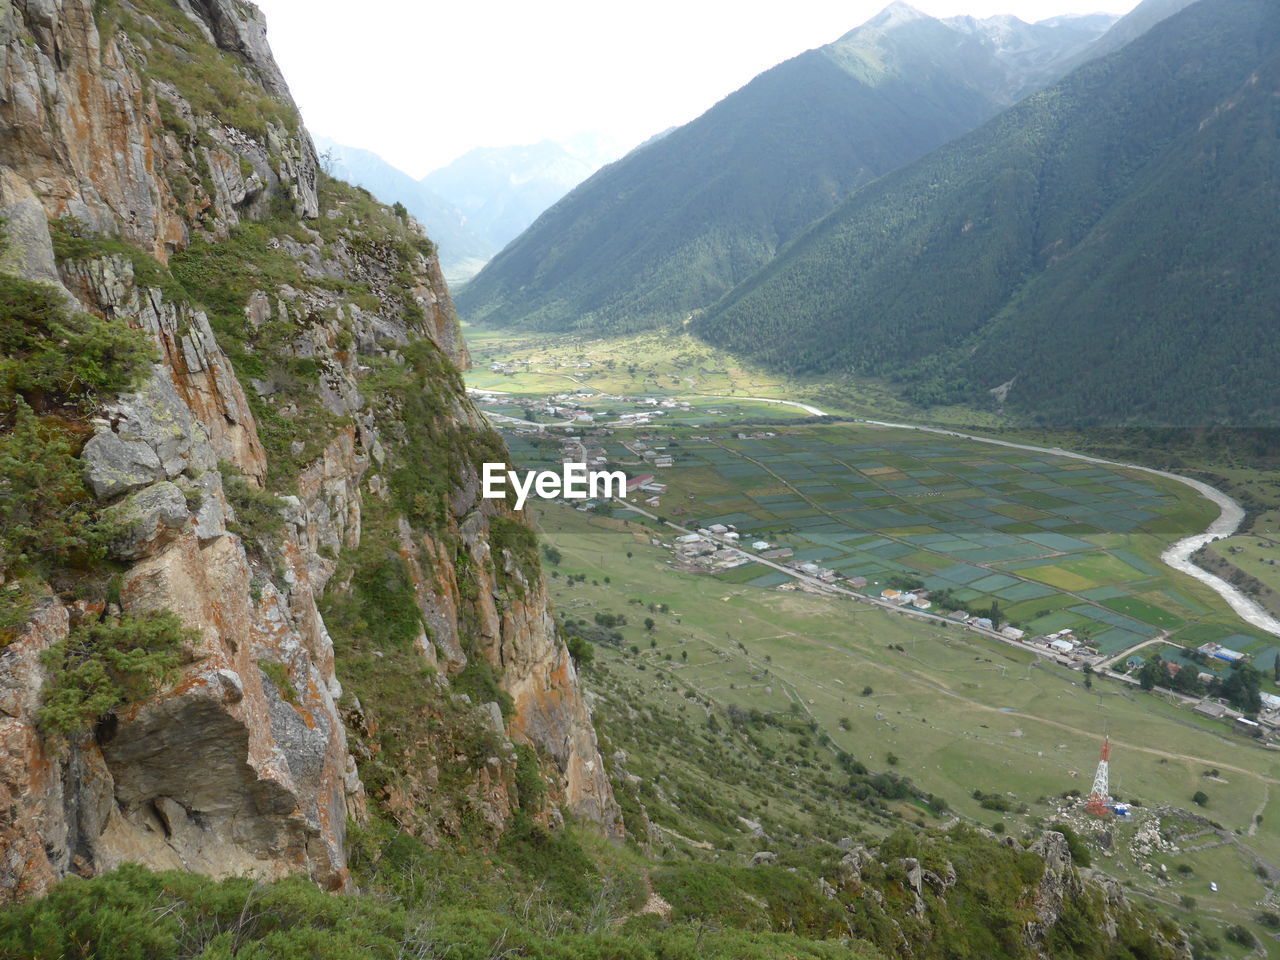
x=581 y=651
x=1200 y=798
x=531 y=790
x=993 y=801
x=56 y=366
x=554 y=857
x=478 y=681
x=1242 y=936
x=106 y=664
x=51 y=356
x=46 y=511
x=257 y=514
x=1075 y=843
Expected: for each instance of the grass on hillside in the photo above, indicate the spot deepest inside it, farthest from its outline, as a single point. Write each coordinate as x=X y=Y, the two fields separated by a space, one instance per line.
x=951 y=711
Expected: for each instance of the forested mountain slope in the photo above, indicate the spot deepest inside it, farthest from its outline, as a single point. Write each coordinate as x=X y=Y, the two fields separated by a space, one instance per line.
x=1103 y=251
x=675 y=224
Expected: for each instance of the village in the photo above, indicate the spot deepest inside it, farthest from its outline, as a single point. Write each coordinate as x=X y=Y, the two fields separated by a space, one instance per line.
x=632 y=441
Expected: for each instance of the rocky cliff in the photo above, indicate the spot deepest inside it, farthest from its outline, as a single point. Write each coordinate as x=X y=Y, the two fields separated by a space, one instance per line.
x=918 y=897
x=291 y=473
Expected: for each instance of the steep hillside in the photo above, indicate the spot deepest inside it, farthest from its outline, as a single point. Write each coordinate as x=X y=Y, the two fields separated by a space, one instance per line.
x=1100 y=252
x=251 y=594
x=672 y=226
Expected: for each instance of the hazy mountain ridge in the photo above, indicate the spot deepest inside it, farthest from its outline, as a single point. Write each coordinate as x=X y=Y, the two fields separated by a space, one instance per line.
x=668 y=230
x=475 y=205
x=501 y=190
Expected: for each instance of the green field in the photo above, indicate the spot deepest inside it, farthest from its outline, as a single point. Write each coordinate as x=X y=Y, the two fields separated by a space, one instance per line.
x=1055 y=541
x=955 y=712
x=1035 y=533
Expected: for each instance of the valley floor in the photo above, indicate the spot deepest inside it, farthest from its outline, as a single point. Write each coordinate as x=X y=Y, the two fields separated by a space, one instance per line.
x=1052 y=542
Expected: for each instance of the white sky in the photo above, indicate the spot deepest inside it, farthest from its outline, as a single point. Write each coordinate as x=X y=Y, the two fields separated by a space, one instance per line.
x=420 y=82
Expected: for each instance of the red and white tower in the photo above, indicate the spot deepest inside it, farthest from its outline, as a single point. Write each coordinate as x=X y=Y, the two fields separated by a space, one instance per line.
x=1100 y=796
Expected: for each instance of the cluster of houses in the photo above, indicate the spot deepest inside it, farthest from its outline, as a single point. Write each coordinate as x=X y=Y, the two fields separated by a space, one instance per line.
x=652 y=452
x=906 y=598
x=644 y=485
x=1065 y=642
x=1264 y=727
x=515 y=366
x=699 y=551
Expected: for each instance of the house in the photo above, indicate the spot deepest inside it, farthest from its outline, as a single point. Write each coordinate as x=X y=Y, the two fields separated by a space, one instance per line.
x=718 y=528
x=1013 y=633
x=688 y=538
x=1061 y=646
x=857 y=582
x=891 y=595
x=1207 y=708
x=731 y=537
x=906 y=598
x=1270 y=701
x=1219 y=652
x=960 y=616
x=666 y=460
x=634 y=483
x=1250 y=728
x=920 y=603
x=760 y=545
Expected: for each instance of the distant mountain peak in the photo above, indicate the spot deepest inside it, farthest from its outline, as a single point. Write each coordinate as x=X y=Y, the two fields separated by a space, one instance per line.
x=894 y=15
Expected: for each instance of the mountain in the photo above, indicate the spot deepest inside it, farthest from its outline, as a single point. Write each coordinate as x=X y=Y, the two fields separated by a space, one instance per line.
x=477 y=204
x=463 y=249
x=1127 y=29
x=1099 y=252
x=501 y=190
x=252 y=592
x=672 y=226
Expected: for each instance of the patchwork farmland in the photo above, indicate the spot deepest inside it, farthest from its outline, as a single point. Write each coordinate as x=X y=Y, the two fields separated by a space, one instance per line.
x=1055 y=543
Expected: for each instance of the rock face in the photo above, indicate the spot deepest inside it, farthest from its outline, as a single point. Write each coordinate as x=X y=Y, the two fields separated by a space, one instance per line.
x=242 y=764
x=906 y=902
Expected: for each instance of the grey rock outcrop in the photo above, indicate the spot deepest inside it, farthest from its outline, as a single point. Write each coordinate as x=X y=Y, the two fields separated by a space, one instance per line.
x=233 y=768
x=144 y=521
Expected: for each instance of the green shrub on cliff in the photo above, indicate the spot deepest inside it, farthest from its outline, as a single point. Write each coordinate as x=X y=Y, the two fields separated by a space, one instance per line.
x=55 y=358
x=133 y=914
x=56 y=366
x=106 y=664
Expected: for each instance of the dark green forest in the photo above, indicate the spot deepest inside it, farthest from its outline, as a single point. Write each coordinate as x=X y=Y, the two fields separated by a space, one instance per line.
x=1105 y=248
x=674 y=225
